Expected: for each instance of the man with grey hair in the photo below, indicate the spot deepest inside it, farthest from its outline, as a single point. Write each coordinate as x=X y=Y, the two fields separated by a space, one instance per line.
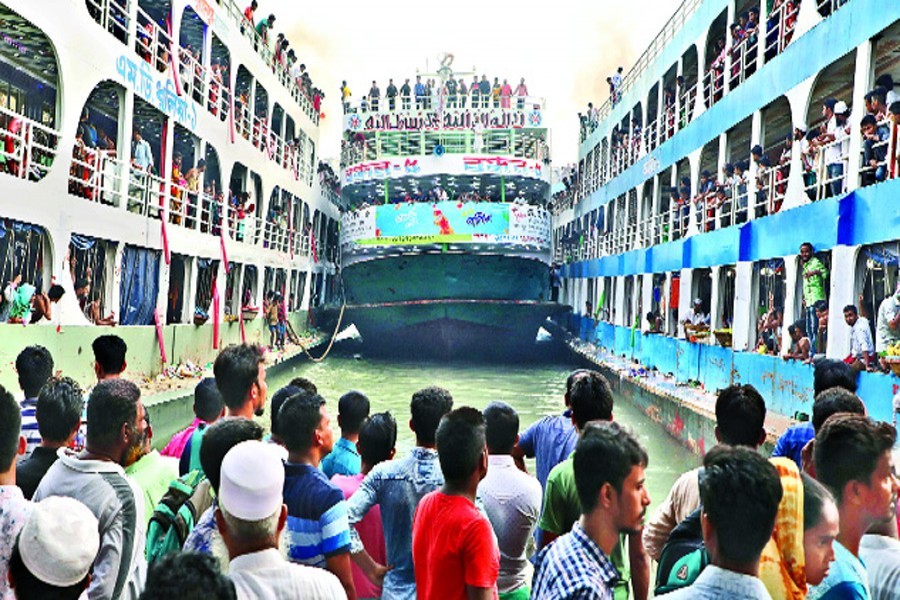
x=250 y=517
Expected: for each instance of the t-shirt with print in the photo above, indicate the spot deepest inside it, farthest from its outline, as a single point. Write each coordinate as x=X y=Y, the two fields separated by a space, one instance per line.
x=317 y=526
x=453 y=546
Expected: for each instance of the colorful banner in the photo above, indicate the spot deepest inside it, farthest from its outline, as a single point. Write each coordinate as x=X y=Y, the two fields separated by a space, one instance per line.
x=448 y=222
x=447 y=118
x=455 y=164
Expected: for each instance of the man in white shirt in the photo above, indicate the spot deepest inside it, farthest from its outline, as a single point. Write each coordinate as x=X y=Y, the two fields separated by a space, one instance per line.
x=879 y=549
x=251 y=517
x=740 y=491
x=862 y=349
x=887 y=323
x=512 y=499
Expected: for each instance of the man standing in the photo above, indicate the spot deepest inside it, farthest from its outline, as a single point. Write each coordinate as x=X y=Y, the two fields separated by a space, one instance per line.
x=887 y=323
x=609 y=468
x=152 y=471
x=405 y=92
x=391 y=94
x=454 y=550
x=208 y=408
x=251 y=517
x=741 y=492
x=34 y=366
x=862 y=349
x=397 y=486
x=374 y=95
x=512 y=501
x=109 y=357
x=353 y=408
x=345 y=96
x=317 y=531
x=853 y=459
x=420 y=93
x=14 y=508
x=814 y=275
x=96 y=478
x=142 y=155
x=58 y=412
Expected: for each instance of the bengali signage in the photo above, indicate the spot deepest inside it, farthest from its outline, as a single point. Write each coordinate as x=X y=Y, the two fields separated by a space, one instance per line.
x=447 y=119
x=448 y=222
x=456 y=164
x=157 y=89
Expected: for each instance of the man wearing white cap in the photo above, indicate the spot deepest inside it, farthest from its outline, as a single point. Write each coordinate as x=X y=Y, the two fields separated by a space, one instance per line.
x=887 y=323
x=55 y=551
x=696 y=317
x=251 y=517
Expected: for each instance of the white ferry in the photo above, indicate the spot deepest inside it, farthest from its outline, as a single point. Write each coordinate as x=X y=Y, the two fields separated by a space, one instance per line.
x=158 y=162
x=445 y=238
x=739 y=134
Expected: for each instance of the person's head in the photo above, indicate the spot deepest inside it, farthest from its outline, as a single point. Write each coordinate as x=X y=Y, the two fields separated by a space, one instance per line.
x=254 y=5
x=116 y=424
x=852 y=455
x=460 y=441
x=353 y=408
x=59 y=409
x=609 y=468
x=797 y=330
x=832 y=401
x=828 y=105
x=278 y=399
x=304 y=384
x=241 y=378
x=34 y=366
x=821 y=307
x=82 y=287
x=251 y=512
x=740 y=492
x=377 y=439
x=137 y=135
x=806 y=251
x=304 y=425
x=756 y=151
x=850 y=315
x=221 y=437
x=109 y=356
x=54 y=552
x=501 y=427
x=590 y=399
x=740 y=416
x=885 y=81
x=820 y=528
x=12 y=444
x=894 y=111
x=201 y=165
x=187 y=576
x=271 y=21
x=426 y=408
x=833 y=373
x=208 y=403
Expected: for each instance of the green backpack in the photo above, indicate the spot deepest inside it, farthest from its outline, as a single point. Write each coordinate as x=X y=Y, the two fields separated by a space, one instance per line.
x=174 y=517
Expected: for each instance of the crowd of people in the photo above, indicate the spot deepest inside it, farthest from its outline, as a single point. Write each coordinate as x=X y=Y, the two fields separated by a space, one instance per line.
x=224 y=511
x=431 y=93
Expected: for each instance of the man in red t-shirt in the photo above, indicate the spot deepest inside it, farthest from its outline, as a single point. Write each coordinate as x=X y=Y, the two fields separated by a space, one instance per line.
x=455 y=552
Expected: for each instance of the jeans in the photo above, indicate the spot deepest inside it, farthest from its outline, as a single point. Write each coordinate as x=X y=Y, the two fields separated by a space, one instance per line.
x=835 y=180
x=812 y=328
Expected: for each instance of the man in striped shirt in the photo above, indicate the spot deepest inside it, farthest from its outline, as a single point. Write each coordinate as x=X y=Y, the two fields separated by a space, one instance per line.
x=34 y=366
x=318 y=532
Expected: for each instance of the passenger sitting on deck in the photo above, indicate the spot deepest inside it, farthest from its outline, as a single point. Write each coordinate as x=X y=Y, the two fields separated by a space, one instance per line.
x=655 y=322
x=799 y=349
x=696 y=318
x=862 y=349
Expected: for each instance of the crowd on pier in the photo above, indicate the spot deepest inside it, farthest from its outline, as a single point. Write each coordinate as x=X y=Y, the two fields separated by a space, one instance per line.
x=225 y=511
x=432 y=93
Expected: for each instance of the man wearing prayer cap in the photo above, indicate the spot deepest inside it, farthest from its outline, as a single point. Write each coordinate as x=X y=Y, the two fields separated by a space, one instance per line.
x=55 y=551
x=887 y=322
x=251 y=517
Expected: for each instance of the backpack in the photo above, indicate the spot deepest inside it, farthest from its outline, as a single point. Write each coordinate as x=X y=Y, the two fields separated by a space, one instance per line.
x=175 y=515
x=683 y=557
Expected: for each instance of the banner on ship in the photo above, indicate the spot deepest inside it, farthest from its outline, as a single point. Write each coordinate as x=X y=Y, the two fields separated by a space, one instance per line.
x=446 y=118
x=459 y=164
x=446 y=223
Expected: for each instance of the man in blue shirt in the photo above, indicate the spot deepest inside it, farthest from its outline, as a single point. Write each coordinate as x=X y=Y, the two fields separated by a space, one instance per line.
x=317 y=533
x=353 y=409
x=419 y=91
x=397 y=486
x=853 y=459
x=34 y=365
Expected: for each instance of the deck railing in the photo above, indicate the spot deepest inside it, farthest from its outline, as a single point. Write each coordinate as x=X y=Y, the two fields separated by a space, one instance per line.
x=27 y=148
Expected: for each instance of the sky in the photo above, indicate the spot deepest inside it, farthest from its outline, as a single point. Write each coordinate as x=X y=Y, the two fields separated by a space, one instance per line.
x=564 y=49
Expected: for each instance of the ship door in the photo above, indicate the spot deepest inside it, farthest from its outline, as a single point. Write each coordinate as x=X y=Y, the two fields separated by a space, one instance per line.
x=177 y=276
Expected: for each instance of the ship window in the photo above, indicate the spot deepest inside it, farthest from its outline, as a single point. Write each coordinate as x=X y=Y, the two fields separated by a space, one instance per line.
x=90 y=265
x=248 y=287
x=21 y=255
x=179 y=274
x=701 y=287
x=876 y=279
x=804 y=308
x=207 y=271
x=231 y=289
x=768 y=291
x=139 y=286
x=725 y=316
x=672 y=300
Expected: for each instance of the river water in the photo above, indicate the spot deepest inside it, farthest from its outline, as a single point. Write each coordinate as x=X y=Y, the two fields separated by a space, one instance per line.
x=534 y=389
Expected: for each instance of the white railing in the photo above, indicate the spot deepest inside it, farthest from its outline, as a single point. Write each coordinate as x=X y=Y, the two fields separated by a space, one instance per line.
x=823 y=177
x=743 y=61
x=878 y=155
x=153 y=44
x=193 y=76
x=403 y=105
x=112 y=15
x=780 y=26
x=146 y=193
x=714 y=83
x=27 y=148
x=96 y=175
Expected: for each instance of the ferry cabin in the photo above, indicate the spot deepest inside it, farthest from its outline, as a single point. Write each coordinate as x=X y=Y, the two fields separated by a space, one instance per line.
x=160 y=238
x=671 y=204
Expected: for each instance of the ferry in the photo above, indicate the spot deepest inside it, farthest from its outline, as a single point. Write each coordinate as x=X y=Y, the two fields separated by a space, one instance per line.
x=445 y=234
x=745 y=130
x=159 y=167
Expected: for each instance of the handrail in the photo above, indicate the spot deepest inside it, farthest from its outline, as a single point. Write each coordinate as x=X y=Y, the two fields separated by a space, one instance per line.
x=152 y=43
x=438 y=102
x=28 y=149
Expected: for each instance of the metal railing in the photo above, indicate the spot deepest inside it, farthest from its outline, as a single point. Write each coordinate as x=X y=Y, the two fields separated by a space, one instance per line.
x=743 y=60
x=825 y=168
x=27 y=148
x=96 y=175
x=780 y=26
x=152 y=43
x=413 y=105
x=878 y=155
x=112 y=15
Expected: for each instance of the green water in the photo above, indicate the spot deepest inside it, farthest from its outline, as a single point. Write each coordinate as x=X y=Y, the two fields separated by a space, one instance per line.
x=534 y=390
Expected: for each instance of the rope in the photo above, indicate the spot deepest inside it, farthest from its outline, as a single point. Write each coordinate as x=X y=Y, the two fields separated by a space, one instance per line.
x=337 y=328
